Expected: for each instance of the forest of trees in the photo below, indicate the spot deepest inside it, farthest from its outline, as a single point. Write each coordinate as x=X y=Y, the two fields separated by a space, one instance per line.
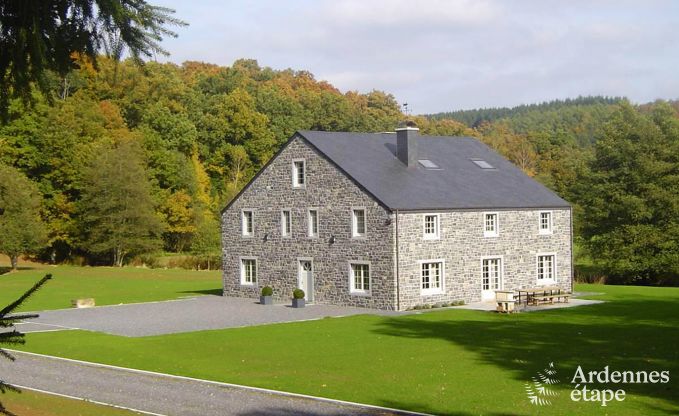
x=131 y=159
x=127 y=160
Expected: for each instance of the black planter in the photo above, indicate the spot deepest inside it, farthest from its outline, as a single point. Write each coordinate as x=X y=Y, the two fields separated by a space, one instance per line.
x=297 y=303
x=266 y=300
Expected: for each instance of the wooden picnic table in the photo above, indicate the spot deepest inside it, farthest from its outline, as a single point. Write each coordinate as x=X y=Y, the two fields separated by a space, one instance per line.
x=542 y=293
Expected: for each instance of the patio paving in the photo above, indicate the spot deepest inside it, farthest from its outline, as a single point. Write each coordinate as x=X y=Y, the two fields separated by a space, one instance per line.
x=491 y=305
x=185 y=315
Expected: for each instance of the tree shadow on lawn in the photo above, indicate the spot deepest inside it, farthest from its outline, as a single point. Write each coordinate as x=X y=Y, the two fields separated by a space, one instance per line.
x=634 y=335
x=6 y=269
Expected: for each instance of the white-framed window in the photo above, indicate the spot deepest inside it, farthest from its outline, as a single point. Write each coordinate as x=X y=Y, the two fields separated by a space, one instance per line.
x=491 y=227
x=248 y=271
x=359 y=274
x=546 y=268
x=248 y=223
x=491 y=273
x=286 y=223
x=545 y=225
x=358 y=224
x=298 y=173
x=313 y=222
x=431 y=226
x=431 y=276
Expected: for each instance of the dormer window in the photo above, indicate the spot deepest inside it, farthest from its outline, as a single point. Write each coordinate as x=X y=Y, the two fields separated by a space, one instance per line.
x=247 y=223
x=490 y=224
x=431 y=226
x=298 y=174
x=545 y=222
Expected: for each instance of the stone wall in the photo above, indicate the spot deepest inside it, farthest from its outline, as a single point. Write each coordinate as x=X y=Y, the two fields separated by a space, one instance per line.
x=334 y=195
x=462 y=244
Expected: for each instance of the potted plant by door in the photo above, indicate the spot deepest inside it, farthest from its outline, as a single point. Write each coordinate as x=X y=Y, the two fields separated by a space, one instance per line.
x=298 y=298
x=267 y=296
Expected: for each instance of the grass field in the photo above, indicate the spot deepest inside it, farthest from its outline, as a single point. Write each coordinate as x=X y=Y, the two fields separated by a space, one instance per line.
x=107 y=285
x=453 y=361
x=30 y=403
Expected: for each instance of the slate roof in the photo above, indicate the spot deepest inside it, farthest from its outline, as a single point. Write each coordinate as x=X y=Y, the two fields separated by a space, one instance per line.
x=459 y=183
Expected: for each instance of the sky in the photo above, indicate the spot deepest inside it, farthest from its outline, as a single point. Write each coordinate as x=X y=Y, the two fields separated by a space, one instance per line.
x=446 y=55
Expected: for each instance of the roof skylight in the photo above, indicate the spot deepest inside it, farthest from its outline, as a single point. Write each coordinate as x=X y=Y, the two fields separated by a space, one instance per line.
x=482 y=164
x=428 y=164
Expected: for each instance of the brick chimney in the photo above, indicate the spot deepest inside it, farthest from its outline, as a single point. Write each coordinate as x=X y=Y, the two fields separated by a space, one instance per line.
x=407 y=135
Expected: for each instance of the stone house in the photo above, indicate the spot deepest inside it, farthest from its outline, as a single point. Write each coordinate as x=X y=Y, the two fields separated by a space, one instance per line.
x=393 y=220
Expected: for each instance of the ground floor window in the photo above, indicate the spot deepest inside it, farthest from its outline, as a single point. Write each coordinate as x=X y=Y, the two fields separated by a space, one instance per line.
x=432 y=277
x=546 y=267
x=248 y=271
x=360 y=277
x=492 y=270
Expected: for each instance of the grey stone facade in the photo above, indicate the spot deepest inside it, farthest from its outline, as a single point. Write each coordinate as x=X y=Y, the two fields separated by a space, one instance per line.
x=461 y=243
x=334 y=195
x=462 y=246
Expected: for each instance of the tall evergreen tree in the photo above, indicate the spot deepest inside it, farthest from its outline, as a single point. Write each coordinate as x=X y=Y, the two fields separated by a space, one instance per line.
x=117 y=212
x=41 y=35
x=7 y=320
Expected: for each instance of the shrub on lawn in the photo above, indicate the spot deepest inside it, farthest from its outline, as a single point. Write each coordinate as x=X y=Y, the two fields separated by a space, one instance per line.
x=268 y=291
x=76 y=260
x=206 y=262
x=145 y=260
x=298 y=294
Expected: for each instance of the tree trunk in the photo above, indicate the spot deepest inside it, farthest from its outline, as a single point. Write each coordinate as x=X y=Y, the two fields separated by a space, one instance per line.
x=14 y=259
x=118 y=256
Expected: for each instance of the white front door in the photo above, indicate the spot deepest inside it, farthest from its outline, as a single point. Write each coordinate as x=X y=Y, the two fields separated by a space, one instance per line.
x=306 y=279
x=491 y=278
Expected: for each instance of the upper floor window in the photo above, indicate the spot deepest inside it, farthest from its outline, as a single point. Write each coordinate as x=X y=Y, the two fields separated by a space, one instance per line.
x=490 y=224
x=545 y=222
x=360 y=278
x=431 y=277
x=313 y=223
x=546 y=268
x=298 y=174
x=286 y=223
x=248 y=223
x=248 y=271
x=431 y=226
x=358 y=226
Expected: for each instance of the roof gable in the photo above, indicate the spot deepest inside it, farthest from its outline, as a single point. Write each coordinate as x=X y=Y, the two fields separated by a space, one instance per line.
x=299 y=136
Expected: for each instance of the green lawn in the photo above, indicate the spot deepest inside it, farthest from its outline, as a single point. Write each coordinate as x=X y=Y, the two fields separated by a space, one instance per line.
x=107 y=285
x=30 y=403
x=446 y=362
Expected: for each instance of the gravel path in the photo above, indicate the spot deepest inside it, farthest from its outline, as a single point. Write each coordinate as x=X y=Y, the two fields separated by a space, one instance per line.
x=161 y=394
x=185 y=315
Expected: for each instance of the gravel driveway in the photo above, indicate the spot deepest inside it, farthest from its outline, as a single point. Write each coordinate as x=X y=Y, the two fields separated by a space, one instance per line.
x=185 y=315
x=164 y=395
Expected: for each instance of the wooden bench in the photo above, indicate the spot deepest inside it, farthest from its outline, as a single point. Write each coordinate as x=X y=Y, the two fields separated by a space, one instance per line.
x=560 y=297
